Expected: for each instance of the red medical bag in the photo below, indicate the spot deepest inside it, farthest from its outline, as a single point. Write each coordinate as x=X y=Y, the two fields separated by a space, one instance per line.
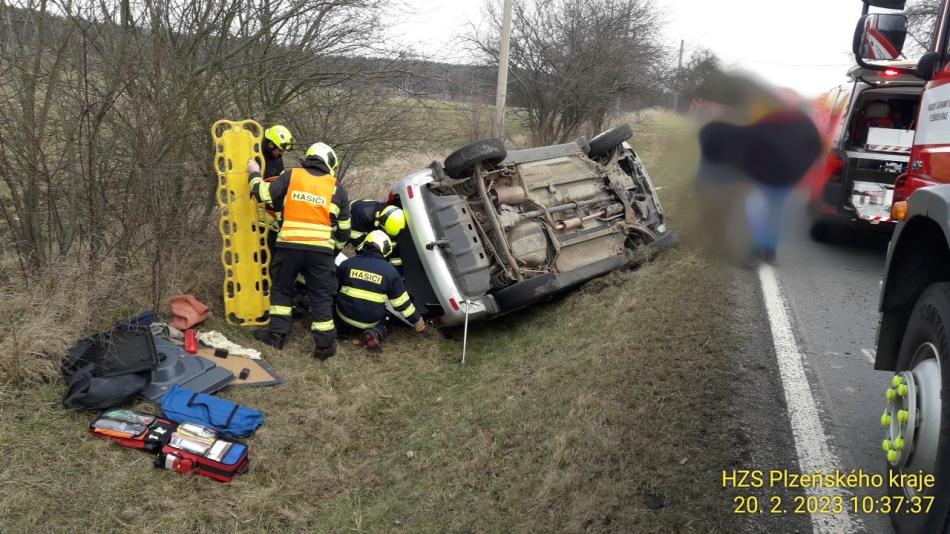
x=197 y=449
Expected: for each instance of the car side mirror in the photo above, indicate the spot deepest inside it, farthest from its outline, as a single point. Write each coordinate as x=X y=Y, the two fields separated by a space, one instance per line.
x=927 y=66
x=879 y=37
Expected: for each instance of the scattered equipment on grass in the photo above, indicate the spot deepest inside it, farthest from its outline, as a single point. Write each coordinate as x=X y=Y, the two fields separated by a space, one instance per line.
x=107 y=369
x=191 y=341
x=183 y=405
x=85 y=391
x=244 y=254
x=200 y=450
x=258 y=374
x=133 y=429
x=217 y=340
x=121 y=351
x=184 y=448
x=188 y=312
x=177 y=367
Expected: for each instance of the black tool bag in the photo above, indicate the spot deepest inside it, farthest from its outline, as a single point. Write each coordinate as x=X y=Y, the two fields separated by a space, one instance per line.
x=108 y=369
x=85 y=391
x=83 y=353
x=123 y=350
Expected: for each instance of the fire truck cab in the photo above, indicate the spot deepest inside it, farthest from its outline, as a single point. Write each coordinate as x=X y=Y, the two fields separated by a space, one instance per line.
x=913 y=342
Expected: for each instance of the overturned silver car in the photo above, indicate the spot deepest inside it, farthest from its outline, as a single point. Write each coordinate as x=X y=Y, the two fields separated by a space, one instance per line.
x=492 y=231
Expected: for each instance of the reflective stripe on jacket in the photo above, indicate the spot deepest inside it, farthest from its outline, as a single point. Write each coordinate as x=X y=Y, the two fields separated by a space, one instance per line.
x=307 y=208
x=312 y=182
x=367 y=282
x=273 y=167
x=266 y=215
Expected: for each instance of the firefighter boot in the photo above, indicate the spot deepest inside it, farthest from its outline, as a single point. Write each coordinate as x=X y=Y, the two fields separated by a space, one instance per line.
x=324 y=353
x=372 y=341
x=267 y=337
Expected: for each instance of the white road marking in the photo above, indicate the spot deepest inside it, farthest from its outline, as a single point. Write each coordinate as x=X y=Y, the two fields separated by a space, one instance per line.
x=869 y=354
x=811 y=443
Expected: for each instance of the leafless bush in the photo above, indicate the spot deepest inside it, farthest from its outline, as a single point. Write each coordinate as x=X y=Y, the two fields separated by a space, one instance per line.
x=921 y=26
x=105 y=148
x=575 y=61
x=105 y=152
x=686 y=80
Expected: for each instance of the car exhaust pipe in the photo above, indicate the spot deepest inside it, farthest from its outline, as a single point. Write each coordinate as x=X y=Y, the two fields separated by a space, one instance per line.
x=576 y=222
x=495 y=224
x=510 y=195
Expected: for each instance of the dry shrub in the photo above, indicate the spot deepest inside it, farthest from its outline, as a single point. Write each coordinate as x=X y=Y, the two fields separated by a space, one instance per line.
x=70 y=300
x=375 y=181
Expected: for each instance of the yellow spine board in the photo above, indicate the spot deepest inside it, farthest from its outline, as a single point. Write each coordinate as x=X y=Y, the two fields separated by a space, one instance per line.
x=244 y=254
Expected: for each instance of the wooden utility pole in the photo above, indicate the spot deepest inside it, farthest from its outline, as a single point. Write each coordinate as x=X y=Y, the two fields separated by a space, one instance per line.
x=679 y=78
x=501 y=92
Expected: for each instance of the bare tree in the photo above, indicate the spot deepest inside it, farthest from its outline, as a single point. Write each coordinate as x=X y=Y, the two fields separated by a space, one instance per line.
x=574 y=61
x=686 y=80
x=107 y=104
x=921 y=25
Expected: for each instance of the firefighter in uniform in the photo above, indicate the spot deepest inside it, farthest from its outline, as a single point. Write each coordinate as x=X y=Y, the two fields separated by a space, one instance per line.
x=277 y=140
x=367 y=281
x=369 y=215
x=316 y=222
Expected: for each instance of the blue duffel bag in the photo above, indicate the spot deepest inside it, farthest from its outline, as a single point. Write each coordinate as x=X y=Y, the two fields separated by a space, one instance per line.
x=183 y=405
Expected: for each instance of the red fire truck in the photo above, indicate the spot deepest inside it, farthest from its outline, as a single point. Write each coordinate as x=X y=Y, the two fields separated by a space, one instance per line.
x=914 y=334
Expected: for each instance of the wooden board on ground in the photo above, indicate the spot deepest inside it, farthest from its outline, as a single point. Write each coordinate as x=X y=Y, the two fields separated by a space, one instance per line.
x=259 y=375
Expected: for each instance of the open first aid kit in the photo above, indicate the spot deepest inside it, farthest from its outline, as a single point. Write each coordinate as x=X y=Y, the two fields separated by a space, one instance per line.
x=197 y=449
x=184 y=448
x=133 y=429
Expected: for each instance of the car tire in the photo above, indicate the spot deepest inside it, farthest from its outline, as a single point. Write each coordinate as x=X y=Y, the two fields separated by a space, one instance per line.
x=928 y=324
x=607 y=141
x=461 y=163
x=583 y=143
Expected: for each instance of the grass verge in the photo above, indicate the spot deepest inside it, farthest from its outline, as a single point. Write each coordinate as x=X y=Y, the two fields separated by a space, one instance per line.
x=600 y=411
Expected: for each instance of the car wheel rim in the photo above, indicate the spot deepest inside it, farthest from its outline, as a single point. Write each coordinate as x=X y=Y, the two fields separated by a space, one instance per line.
x=911 y=415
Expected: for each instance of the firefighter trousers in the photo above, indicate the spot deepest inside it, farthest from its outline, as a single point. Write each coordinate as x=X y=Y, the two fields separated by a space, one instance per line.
x=319 y=271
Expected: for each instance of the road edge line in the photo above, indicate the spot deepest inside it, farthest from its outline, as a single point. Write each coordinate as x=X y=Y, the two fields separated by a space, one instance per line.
x=811 y=442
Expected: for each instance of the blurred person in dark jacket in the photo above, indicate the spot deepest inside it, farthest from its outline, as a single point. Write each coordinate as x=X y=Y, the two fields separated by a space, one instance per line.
x=760 y=135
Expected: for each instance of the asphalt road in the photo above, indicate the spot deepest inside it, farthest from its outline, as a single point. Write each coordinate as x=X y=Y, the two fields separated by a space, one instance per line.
x=832 y=291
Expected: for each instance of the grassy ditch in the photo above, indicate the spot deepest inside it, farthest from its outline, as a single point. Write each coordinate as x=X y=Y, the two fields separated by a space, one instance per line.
x=604 y=410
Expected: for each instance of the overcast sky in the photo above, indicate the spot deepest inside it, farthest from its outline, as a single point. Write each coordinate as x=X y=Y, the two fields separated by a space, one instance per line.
x=803 y=45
